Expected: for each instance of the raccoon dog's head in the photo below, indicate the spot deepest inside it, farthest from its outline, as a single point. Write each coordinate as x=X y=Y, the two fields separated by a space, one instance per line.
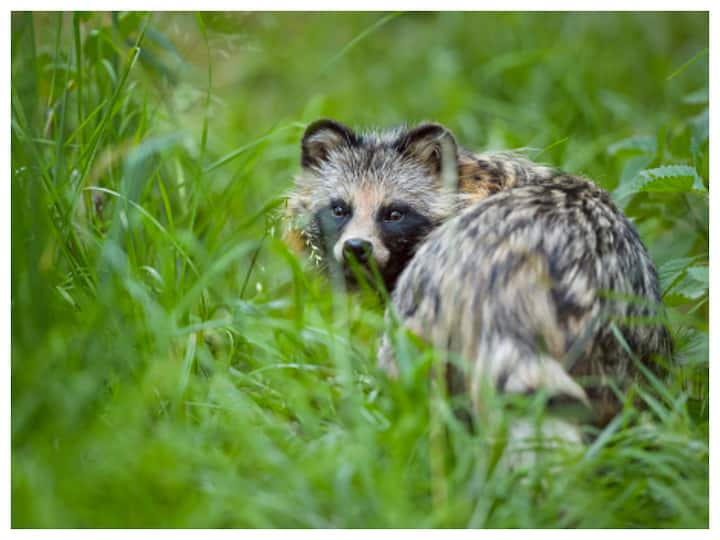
x=363 y=201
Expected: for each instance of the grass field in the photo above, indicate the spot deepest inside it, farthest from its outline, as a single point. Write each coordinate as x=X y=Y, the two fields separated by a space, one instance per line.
x=174 y=365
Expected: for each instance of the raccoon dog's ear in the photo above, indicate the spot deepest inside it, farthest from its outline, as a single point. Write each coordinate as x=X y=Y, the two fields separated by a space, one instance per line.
x=429 y=144
x=322 y=136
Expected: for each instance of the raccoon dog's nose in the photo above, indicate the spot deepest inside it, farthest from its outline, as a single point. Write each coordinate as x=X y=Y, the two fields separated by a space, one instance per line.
x=358 y=248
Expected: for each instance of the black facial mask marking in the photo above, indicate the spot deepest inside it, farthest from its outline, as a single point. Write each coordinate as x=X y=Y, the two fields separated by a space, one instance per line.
x=401 y=237
x=401 y=229
x=328 y=225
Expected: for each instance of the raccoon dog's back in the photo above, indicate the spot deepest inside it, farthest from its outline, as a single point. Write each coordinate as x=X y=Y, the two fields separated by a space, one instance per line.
x=527 y=286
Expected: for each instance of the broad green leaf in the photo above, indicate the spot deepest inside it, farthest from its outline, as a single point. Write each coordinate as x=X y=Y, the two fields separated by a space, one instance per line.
x=633 y=166
x=692 y=286
x=671 y=270
x=690 y=343
x=665 y=179
x=700 y=274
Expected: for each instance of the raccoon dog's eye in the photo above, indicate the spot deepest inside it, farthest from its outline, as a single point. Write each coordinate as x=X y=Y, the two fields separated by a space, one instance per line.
x=394 y=215
x=339 y=209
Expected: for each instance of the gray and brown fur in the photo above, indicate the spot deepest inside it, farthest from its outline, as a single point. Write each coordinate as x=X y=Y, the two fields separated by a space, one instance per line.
x=526 y=285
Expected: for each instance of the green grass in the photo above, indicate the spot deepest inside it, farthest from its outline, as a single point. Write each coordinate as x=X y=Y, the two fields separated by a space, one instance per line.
x=174 y=365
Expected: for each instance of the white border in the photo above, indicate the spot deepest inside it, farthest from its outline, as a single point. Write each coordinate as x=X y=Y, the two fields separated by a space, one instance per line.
x=366 y=5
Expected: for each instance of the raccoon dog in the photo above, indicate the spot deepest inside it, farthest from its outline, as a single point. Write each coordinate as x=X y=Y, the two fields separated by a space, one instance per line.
x=532 y=277
x=543 y=286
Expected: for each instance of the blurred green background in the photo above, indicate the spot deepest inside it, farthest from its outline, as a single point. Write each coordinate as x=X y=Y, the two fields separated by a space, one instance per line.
x=174 y=365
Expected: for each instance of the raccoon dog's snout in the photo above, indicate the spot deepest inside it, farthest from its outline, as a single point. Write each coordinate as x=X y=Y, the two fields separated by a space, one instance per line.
x=357 y=248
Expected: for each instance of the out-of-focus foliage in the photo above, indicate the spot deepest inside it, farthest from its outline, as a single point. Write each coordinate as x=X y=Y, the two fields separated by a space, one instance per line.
x=174 y=365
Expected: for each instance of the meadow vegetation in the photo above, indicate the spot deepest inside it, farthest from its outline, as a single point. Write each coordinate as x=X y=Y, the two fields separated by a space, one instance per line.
x=175 y=365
